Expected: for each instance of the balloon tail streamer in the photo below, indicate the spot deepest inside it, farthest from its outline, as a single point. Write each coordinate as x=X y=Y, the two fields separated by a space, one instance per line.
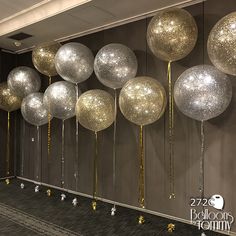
x=22 y=150
x=49 y=123
x=201 y=179
x=95 y=174
x=141 y=176
x=171 y=133
x=49 y=80
x=76 y=145
x=62 y=154
x=38 y=171
x=113 y=209
x=8 y=145
x=49 y=135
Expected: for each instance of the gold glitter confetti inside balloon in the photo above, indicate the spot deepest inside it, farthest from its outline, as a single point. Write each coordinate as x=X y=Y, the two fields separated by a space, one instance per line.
x=142 y=100
x=221 y=45
x=172 y=34
x=43 y=57
x=95 y=110
x=8 y=100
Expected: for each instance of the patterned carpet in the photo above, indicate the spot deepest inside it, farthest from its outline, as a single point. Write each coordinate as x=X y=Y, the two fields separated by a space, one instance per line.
x=24 y=212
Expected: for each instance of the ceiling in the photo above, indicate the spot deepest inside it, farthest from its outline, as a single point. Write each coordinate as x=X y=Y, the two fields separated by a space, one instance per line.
x=10 y=8
x=62 y=19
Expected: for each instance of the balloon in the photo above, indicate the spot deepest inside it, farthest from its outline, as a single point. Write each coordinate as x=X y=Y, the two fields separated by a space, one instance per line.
x=142 y=100
x=114 y=65
x=33 y=109
x=60 y=99
x=172 y=34
x=74 y=62
x=95 y=110
x=43 y=57
x=202 y=92
x=8 y=100
x=23 y=80
x=221 y=44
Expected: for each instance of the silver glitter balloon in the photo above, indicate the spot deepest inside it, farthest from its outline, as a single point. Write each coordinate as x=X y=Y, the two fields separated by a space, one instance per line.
x=202 y=92
x=95 y=110
x=74 y=62
x=33 y=109
x=172 y=34
x=114 y=65
x=142 y=100
x=221 y=45
x=23 y=80
x=60 y=99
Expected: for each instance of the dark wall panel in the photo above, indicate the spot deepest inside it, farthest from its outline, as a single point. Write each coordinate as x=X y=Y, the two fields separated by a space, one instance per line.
x=7 y=63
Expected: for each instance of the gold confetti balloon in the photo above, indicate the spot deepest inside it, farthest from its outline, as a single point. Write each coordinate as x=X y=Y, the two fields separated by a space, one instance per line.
x=8 y=100
x=43 y=57
x=142 y=100
x=95 y=110
x=172 y=34
x=221 y=45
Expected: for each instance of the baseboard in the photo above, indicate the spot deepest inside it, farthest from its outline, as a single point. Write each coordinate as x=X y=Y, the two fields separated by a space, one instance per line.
x=119 y=204
x=8 y=177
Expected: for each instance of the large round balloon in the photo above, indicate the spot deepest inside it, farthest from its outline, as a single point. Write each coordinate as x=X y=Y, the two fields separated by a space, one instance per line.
x=33 y=109
x=95 y=110
x=60 y=99
x=221 y=44
x=8 y=100
x=202 y=92
x=23 y=80
x=142 y=100
x=172 y=34
x=74 y=62
x=43 y=57
x=114 y=65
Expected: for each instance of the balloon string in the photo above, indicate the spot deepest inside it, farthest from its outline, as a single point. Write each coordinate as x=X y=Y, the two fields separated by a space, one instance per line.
x=49 y=123
x=49 y=135
x=141 y=171
x=49 y=80
x=114 y=148
x=95 y=170
x=62 y=154
x=171 y=133
x=22 y=150
x=76 y=145
x=38 y=154
x=201 y=177
x=8 y=145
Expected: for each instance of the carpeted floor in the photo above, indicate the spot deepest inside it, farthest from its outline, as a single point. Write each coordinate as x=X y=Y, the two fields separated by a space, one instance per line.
x=24 y=212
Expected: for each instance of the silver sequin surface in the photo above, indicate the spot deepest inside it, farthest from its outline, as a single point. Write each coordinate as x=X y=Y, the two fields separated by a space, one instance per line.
x=221 y=44
x=74 y=62
x=115 y=64
x=202 y=92
x=23 y=80
x=95 y=110
x=142 y=100
x=172 y=34
x=33 y=109
x=60 y=99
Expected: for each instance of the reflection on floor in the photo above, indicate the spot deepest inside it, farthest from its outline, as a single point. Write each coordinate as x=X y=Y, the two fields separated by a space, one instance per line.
x=24 y=212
